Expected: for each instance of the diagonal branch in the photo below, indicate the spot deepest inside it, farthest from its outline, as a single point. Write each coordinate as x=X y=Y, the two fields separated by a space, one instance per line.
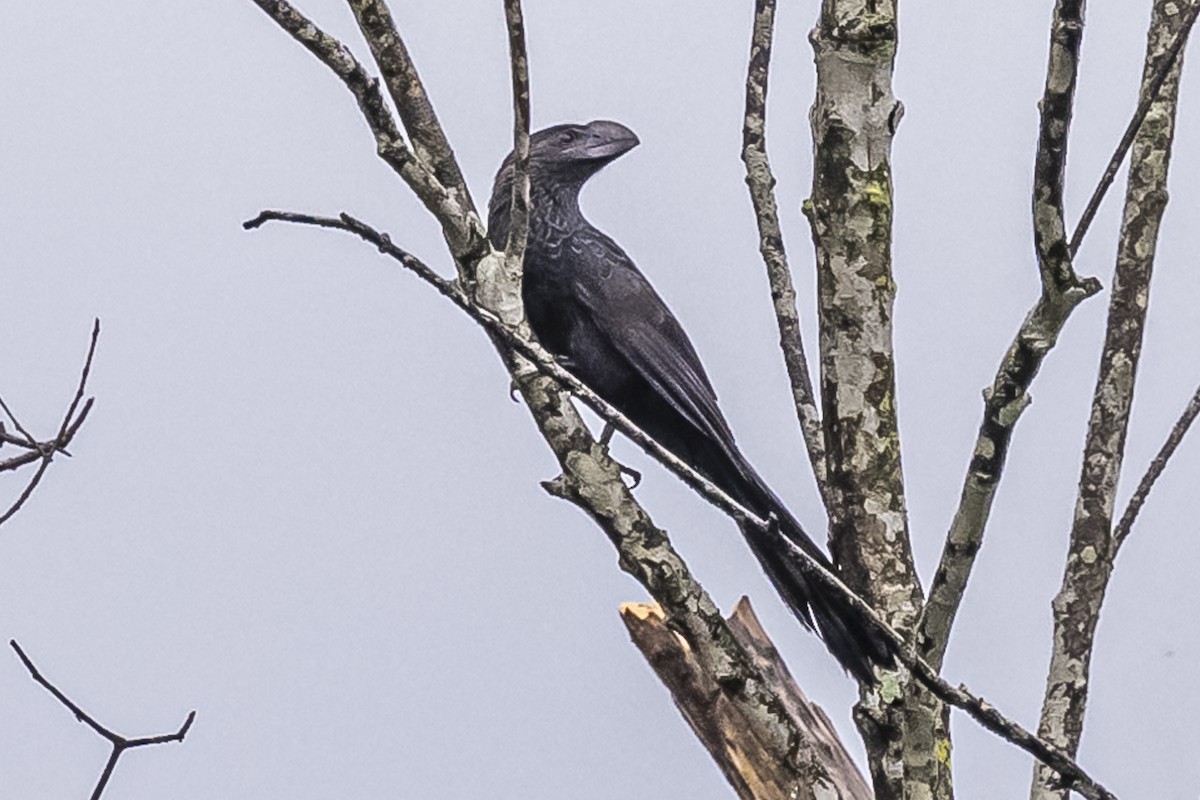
x=408 y=93
x=1150 y=93
x=761 y=183
x=453 y=209
x=1008 y=396
x=609 y=503
x=119 y=743
x=592 y=480
x=1154 y=471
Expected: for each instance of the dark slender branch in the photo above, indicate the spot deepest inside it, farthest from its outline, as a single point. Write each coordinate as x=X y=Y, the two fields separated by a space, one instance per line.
x=28 y=441
x=514 y=251
x=1182 y=426
x=119 y=743
x=761 y=183
x=1150 y=94
x=977 y=708
x=70 y=425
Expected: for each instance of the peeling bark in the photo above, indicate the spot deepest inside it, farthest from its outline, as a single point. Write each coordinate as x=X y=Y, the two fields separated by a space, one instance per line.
x=751 y=769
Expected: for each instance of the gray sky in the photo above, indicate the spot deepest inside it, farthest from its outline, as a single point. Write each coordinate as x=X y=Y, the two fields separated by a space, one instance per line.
x=305 y=507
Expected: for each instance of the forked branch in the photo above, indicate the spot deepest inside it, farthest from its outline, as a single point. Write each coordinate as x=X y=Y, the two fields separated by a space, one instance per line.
x=119 y=743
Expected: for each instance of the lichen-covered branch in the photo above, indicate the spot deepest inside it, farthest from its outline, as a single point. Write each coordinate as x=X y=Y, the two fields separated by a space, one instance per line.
x=489 y=291
x=854 y=118
x=463 y=230
x=399 y=73
x=590 y=478
x=1008 y=396
x=1092 y=548
x=761 y=183
x=850 y=213
x=518 y=232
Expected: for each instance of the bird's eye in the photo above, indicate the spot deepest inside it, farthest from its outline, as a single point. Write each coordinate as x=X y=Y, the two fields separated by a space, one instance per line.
x=566 y=137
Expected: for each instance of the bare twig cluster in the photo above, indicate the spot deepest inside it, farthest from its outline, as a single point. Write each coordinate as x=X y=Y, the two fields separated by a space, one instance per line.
x=44 y=451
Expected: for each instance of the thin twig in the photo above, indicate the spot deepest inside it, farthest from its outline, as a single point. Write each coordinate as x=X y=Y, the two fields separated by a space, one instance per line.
x=70 y=425
x=119 y=743
x=1150 y=94
x=514 y=250
x=1182 y=425
x=976 y=707
x=761 y=183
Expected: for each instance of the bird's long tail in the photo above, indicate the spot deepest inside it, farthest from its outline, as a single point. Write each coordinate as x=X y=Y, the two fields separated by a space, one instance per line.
x=853 y=637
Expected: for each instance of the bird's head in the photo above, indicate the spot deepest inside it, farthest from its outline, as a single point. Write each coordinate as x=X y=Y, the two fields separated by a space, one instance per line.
x=570 y=154
x=561 y=159
x=579 y=150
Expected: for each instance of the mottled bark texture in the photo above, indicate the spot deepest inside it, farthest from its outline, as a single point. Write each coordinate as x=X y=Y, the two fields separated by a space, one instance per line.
x=853 y=120
x=751 y=769
x=761 y=183
x=1008 y=396
x=1092 y=548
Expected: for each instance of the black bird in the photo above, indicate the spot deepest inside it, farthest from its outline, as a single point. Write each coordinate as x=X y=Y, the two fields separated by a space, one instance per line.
x=591 y=307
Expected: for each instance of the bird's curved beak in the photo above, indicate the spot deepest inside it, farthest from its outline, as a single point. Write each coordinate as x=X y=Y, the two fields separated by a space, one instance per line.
x=607 y=140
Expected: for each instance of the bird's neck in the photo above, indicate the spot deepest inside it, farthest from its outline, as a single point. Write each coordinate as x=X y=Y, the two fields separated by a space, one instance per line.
x=555 y=213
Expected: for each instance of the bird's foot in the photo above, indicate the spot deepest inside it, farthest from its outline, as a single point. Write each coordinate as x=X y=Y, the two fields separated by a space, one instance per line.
x=607 y=434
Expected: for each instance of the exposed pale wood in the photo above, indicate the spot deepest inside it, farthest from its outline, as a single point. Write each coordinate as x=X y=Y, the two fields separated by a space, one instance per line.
x=745 y=760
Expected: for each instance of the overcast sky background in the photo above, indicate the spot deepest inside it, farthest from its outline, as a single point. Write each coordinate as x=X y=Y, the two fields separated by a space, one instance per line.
x=305 y=507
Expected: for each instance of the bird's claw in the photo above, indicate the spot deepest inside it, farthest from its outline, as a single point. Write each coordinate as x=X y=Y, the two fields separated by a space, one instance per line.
x=633 y=474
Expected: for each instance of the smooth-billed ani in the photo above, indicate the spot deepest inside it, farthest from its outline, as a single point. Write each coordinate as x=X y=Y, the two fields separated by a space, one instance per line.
x=592 y=308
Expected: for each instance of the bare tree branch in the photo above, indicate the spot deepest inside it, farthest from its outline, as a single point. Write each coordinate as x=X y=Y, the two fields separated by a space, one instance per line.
x=454 y=210
x=1155 y=470
x=514 y=251
x=408 y=93
x=854 y=119
x=761 y=183
x=44 y=452
x=1149 y=94
x=1008 y=396
x=592 y=480
x=1092 y=549
x=119 y=743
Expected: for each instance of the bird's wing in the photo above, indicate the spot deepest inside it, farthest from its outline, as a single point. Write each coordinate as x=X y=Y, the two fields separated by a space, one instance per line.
x=643 y=330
